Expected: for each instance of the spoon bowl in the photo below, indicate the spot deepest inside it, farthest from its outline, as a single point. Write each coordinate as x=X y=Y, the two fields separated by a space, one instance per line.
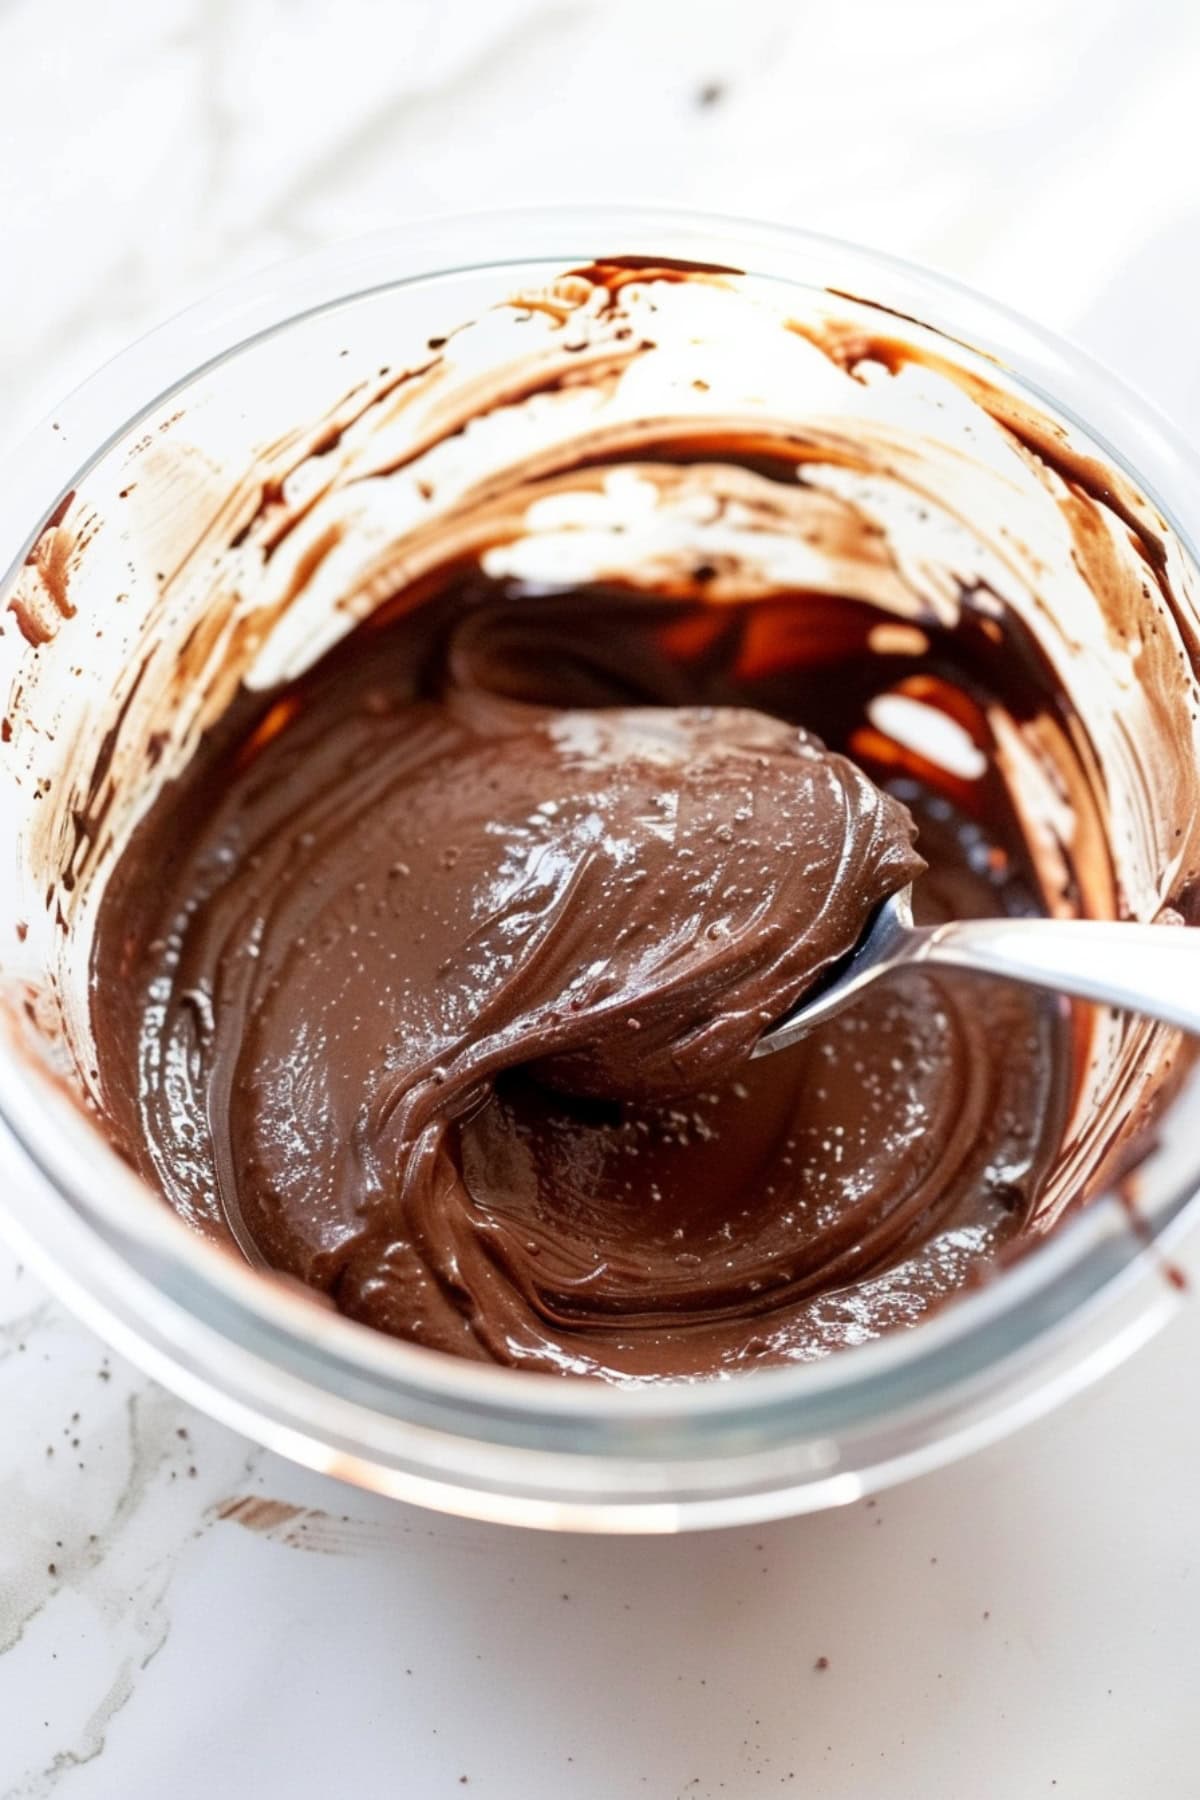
x=1148 y=969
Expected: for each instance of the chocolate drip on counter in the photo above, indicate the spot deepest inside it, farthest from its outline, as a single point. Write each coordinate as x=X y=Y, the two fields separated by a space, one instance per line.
x=433 y=982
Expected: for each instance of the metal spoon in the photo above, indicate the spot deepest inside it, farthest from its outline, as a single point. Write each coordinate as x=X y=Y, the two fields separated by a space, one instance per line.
x=1150 y=969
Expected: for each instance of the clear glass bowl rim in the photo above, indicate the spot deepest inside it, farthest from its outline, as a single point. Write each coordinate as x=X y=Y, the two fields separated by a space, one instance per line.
x=181 y=1306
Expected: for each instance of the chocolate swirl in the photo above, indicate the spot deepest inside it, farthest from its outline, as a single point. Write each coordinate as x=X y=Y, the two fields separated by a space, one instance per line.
x=431 y=975
x=447 y=995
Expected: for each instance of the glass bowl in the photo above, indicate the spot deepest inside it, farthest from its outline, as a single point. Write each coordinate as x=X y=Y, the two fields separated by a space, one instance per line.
x=466 y=1438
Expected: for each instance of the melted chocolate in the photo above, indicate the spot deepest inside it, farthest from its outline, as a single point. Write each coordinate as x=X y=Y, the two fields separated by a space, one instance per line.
x=441 y=994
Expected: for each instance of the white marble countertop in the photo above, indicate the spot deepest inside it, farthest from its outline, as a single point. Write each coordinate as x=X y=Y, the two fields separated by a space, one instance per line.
x=1024 y=1623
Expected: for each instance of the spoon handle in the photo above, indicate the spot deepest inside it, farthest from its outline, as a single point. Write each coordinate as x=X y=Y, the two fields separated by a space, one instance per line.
x=1149 y=969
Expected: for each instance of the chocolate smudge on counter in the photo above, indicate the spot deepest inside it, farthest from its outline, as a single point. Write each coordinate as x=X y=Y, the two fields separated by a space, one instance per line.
x=254 y=1513
x=309 y=1528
